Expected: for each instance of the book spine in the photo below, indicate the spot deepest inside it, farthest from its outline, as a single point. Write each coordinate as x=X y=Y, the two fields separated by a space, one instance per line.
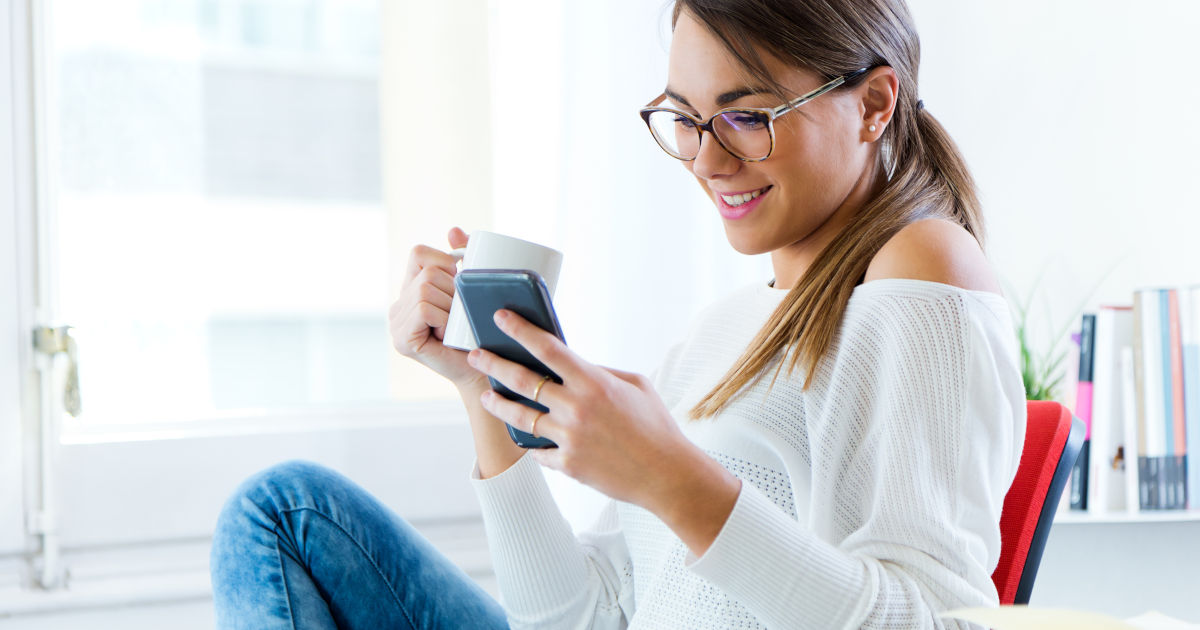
x=1108 y=473
x=1153 y=481
x=1176 y=419
x=1147 y=350
x=1129 y=416
x=1190 y=319
x=1144 y=483
x=1155 y=410
x=1168 y=395
x=1139 y=392
x=1083 y=410
x=1105 y=407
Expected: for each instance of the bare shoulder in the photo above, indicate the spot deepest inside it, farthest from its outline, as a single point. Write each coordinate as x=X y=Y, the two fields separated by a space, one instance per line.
x=936 y=250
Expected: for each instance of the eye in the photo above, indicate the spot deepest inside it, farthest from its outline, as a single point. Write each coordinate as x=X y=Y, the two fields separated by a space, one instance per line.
x=684 y=121
x=745 y=121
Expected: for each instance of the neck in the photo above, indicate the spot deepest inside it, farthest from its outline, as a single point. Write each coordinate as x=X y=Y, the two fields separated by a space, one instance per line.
x=792 y=261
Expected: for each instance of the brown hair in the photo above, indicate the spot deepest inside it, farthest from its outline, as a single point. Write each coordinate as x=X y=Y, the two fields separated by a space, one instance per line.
x=927 y=176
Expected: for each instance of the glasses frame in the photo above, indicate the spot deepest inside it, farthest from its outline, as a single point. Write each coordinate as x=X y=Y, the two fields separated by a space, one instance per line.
x=770 y=112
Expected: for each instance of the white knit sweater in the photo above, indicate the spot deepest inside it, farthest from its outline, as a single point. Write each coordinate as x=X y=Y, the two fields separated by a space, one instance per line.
x=871 y=500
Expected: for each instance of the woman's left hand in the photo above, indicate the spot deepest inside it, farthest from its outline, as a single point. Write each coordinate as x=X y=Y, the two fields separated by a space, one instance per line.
x=613 y=431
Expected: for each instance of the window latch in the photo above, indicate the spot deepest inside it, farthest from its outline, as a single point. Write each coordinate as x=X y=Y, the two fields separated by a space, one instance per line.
x=55 y=341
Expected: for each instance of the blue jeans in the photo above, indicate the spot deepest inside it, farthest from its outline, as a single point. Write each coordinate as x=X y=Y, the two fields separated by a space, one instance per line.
x=301 y=546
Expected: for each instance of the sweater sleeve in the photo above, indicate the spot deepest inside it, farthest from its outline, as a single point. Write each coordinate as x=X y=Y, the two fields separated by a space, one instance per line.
x=547 y=577
x=911 y=455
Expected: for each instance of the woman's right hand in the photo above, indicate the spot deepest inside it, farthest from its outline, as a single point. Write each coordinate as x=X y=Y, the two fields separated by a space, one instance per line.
x=418 y=317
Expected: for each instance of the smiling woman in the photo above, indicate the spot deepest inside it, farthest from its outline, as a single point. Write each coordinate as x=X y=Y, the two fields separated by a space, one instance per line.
x=828 y=449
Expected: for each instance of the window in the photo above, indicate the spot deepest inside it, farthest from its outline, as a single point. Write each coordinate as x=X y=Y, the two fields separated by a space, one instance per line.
x=210 y=220
x=221 y=238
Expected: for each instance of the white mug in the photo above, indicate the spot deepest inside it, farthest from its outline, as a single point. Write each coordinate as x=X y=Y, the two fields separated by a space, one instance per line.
x=489 y=250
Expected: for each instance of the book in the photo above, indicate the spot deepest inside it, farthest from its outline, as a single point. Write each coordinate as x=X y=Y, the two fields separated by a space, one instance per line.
x=1160 y=382
x=1067 y=398
x=1173 y=422
x=1138 y=352
x=1112 y=333
x=1083 y=411
x=1071 y=373
x=1130 y=421
x=1148 y=376
x=1189 y=317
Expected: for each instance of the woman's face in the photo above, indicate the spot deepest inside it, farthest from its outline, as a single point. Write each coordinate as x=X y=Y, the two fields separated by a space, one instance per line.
x=816 y=177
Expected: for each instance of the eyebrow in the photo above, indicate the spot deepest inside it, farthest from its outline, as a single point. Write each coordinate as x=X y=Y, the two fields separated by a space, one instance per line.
x=722 y=100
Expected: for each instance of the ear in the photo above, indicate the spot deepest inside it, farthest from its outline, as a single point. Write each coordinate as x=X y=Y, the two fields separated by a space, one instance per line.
x=878 y=93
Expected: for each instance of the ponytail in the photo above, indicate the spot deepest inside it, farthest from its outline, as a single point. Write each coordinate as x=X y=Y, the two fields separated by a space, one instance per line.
x=941 y=155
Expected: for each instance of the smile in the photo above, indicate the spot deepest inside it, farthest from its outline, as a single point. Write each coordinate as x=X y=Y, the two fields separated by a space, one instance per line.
x=736 y=200
x=739 y=205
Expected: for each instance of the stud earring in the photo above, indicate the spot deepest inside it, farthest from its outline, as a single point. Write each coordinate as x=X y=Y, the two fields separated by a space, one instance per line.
x=871 y=128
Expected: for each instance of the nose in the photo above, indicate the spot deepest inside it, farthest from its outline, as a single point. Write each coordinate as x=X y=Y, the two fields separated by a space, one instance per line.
x=713 y=160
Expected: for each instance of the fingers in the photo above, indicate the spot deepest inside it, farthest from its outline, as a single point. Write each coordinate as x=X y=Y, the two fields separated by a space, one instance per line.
x=519 y=416
x=424 y=305
x=432 y=285
x=541 y=344
x=457 y=238
x=549 y=457
x=423 y=256
x=435 y=286
x=517 y=377
x=415 y=331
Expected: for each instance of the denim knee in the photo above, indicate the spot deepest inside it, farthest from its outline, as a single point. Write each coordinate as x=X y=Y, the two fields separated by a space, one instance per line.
x=262 y=497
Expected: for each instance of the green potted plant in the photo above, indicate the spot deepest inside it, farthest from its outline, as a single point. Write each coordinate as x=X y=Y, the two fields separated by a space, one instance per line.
x=1041 y=372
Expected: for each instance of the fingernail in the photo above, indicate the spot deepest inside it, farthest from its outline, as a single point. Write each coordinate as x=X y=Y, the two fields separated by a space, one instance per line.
x=500 y=316
x=473 y=356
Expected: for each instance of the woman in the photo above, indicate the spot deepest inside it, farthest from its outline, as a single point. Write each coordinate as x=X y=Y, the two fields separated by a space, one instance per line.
x=828 y=450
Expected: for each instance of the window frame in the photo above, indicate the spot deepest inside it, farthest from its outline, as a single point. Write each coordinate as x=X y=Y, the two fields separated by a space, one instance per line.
x=16 y=186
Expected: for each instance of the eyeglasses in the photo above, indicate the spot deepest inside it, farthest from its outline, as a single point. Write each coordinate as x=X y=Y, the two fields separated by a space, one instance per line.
x=747 y=133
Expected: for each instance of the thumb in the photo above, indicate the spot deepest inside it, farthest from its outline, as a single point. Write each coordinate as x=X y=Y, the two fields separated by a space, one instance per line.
x=457 y=237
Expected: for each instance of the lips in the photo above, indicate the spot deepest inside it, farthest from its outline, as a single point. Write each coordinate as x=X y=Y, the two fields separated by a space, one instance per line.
x=736 y=205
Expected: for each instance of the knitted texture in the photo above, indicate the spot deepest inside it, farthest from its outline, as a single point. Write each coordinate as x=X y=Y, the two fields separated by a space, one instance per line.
x=870 y=500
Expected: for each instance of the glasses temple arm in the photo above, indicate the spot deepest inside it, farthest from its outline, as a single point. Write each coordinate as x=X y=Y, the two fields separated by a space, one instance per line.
x=790 y=105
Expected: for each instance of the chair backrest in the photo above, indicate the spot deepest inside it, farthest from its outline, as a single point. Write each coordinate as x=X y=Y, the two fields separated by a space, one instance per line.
x=1053 y=438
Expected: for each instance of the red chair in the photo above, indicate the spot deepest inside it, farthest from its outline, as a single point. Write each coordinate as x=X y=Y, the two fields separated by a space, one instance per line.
x=1053 y=438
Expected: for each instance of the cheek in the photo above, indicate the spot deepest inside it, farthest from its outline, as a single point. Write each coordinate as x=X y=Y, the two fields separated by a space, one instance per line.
x=810 y=158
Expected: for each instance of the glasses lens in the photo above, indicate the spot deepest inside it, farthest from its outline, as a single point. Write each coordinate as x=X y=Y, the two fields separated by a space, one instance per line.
x=676 y=134
x=746 y=134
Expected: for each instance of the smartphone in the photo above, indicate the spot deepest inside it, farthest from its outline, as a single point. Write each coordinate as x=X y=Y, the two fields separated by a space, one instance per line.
x=485 y=291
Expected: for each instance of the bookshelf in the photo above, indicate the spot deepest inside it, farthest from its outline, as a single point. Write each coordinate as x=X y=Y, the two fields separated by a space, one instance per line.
x=1148 y=516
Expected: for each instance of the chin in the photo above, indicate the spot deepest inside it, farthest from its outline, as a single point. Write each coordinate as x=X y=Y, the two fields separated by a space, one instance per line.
x=747 y=244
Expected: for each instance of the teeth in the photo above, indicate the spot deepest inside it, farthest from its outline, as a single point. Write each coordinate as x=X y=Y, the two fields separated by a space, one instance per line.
x=737 y=200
